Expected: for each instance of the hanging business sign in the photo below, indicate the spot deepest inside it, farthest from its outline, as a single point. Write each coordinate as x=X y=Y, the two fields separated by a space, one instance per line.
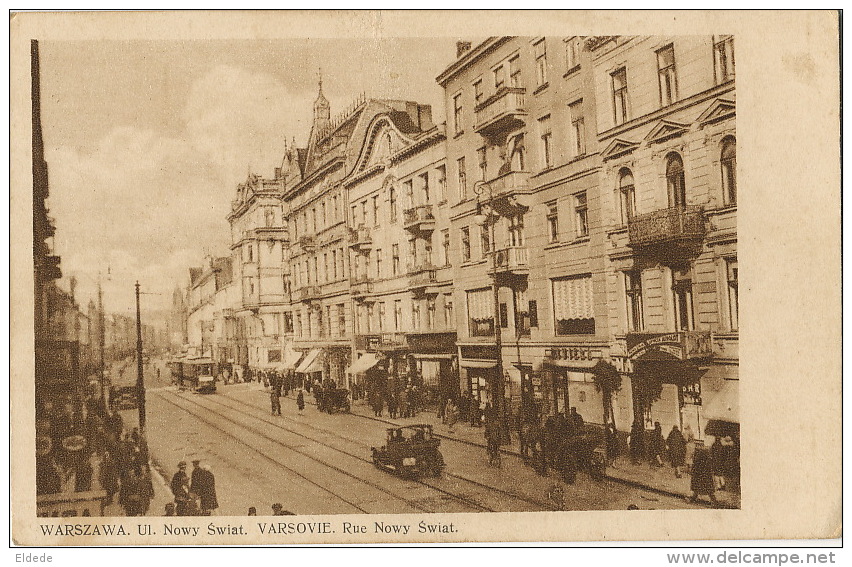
x=682 y=345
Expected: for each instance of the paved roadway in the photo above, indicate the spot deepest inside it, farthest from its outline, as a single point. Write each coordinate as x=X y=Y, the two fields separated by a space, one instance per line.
x=320 y=464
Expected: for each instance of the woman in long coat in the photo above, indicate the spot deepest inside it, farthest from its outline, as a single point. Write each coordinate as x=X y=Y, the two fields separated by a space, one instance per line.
x=689 y=437
x=657 y=445
x=677 y=449
x=300 y=401
x=702 y=476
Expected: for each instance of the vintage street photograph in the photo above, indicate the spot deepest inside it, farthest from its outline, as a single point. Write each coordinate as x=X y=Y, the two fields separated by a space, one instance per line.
x=381 y=275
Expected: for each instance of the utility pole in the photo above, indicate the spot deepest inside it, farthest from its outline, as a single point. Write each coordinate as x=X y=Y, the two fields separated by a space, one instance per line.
x=140 y=380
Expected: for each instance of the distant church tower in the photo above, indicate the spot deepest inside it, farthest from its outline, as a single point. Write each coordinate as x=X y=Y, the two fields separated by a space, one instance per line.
x=322 y=118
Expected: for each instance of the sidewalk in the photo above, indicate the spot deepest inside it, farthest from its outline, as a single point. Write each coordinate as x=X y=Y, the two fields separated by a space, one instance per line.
x=658 y=479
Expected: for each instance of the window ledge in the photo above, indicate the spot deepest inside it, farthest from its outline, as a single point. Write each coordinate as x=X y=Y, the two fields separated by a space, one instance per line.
x=469 y=263
x=442 y=203
x=617 y=230
x=541 y=87
x=458 y=134
x=721 y=210
x=572 y=70
x=580 y=240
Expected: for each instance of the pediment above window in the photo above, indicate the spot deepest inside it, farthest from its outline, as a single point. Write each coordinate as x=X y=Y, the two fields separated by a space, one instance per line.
x=719 y=109
x=665 y=130
x=618 y=147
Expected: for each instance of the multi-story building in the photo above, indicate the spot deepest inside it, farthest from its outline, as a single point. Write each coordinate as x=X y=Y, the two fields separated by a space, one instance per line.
x=320 y=218
x=259 y=241
x=399 y=239
x=527 y=245
x=211 y=324
x=666 y=130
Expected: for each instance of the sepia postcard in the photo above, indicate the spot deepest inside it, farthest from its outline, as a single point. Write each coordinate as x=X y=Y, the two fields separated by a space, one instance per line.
x=424 y=277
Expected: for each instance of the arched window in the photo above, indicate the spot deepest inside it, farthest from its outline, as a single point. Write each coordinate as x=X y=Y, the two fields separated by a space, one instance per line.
x=729 y=170
x=627 y=193
x=675 y=180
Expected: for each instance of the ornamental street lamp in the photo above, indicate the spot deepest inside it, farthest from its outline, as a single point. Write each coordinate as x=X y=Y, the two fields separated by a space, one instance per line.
x=486 y=217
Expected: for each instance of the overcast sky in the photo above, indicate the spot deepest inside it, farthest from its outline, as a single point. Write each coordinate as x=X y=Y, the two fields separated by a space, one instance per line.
x=146 y=141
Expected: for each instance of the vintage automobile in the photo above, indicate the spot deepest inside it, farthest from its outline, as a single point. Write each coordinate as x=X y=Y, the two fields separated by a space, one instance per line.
x=331 y=400
x=410 y=451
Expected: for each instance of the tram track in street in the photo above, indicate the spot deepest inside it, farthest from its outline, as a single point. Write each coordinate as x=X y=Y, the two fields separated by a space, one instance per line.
x=415 y=504
x=536 y=504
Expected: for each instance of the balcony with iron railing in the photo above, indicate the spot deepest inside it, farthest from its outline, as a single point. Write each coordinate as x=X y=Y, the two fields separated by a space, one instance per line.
x=511 y=260
x=360 y=238
x=672 y=226
x=501 y=112
x=419 y=219
x=308 y=293
x=421 y=276
x=360 y=286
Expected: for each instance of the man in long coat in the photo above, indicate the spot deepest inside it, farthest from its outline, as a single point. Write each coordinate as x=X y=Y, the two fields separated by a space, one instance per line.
x=204 y=485
x=180 y=489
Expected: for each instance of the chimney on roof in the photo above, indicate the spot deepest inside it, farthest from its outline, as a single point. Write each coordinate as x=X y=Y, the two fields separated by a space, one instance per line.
x=462 y=47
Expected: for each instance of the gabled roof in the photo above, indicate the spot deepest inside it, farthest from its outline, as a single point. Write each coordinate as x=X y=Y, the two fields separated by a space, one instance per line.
x=618 y=147
x=719 y=109
x=664 y=130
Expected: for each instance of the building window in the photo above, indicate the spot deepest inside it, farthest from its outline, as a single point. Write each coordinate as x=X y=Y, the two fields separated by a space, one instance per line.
x=540 y=63
x=288 y=322
x=427 y=251
x=477 y=94
x=572 y=54
x=364 y=212
x=480 y=312
x=449 y=322
x=517 y=153
x=483 y=163
x=335 y=209
x=442 y=183
x=392 y=199
x=378 y=263
x=424 y=183
x=552 y=222
x=515 y=71
x=445 y=238
x=412 y=253
x=546 y=137
x=375 y=210
x=299 y=324
x=354 y=215
x=382 y=315
x=619 y=95
x=341 y=319
x=325 y=270
x=733 y=295
x=457 y=114
x=462 y=179
x=573 y=305
x=627 y=195
x=314 y=219
x=499 y=77
x=578 y=128
x=667 y=75
x=485 y=240
x=250 y=252
x=334 y=265
x=430 y=313
x=327 y=324
x=522 y=312
x=682 y=295
x=369 y=317
x=415 y=314
x=397 y=315
x=724 y=58
x=675 y=180
x=516 y=230
x=409 y=193
x=633 y=291
x=465 y=241
x=395 y=259
x=323 y=215
x=729 y=170
x=581 y=214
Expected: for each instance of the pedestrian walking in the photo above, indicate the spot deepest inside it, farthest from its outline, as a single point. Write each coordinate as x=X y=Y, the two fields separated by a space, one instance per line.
x=657 y=445
x=611 y=444
x=492 y=436
x=451 y=415
x=131 y=495
x=393 y=406
x=717 y=463
x=180 y=490
x=275 y=396
x=577 y=421
x=300 y=401
x=701 y=482
x=689 y=454
x=204 y=485
x=677 y=449
x=636 y=442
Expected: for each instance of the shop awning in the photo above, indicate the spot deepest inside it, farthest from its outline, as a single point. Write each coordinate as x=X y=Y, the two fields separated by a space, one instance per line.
x=311 y=363
x=478 y=363
x=290 y=359
x=366 y=362
x=722 y=404
x=435 y=356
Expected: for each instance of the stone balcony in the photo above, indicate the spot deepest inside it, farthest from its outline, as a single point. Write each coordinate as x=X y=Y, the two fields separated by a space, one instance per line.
x=419 y=219
x=308 y=293
x=360 y=238
x=512 y=260
x=672 y=227
x=502 y=112
x=421 y=276
x=360 y=287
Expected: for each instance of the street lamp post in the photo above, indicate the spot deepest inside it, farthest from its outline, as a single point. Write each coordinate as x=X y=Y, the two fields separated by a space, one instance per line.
x=140 y=380
x=486 y=221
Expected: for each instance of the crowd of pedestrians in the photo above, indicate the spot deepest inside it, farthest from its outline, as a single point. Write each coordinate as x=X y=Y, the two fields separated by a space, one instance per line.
x=194 y=494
